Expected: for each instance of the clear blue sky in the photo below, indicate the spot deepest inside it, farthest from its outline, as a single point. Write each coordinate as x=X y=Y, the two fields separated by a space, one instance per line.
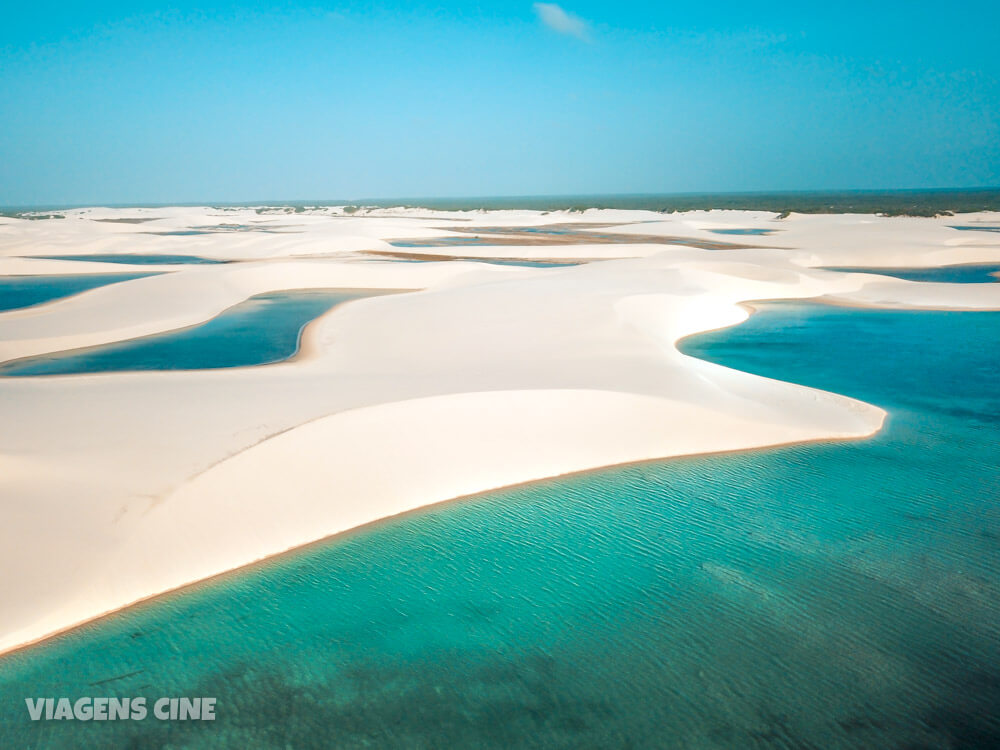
x=107 y=102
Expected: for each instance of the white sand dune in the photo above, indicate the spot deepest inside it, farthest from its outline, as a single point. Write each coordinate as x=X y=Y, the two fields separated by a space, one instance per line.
x=118 y=486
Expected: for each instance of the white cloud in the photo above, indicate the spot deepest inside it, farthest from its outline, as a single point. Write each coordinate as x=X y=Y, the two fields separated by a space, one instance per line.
x=559 y=20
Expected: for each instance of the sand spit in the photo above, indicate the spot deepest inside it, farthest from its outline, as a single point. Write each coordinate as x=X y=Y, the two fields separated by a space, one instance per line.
x=118 y=486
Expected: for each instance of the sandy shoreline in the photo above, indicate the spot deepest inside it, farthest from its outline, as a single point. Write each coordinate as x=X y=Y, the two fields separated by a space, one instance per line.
x=305 y=547
x=121 y=486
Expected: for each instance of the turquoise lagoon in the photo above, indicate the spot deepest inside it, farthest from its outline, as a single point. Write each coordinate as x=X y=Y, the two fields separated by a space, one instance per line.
x=829 y=595
x=265 y=328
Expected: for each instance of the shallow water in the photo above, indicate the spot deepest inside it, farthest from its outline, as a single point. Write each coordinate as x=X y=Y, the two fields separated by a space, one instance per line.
x=263 y=329
x=141 y=259
x=833 y=595
x=974 y=273
x=490 y=261
x=219 y=229
x=979 y=228
x=24 y=291
x=753 y=232
x=531 y=263
x=547 y=236
x=442 y=242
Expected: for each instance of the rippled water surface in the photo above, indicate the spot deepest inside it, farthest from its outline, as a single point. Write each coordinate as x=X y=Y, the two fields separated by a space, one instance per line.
x=24 y=291
x=263 y=329
x=838 y=595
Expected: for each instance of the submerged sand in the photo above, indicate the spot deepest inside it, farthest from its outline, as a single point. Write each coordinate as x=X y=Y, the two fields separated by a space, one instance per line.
x=118 y=486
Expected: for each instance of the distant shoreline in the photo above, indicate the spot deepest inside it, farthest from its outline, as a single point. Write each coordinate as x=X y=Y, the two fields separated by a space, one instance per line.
x=910 y=202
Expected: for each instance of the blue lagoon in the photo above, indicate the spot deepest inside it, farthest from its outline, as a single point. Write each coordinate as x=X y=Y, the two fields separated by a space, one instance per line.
x=265 y=328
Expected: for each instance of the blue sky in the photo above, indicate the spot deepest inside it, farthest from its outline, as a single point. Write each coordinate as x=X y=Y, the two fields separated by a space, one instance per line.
x=134 y=102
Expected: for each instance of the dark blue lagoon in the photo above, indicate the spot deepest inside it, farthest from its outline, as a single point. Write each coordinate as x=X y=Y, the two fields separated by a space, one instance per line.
x=973 y=273
x=261 y=330
x=24 y=291
x=832 y=595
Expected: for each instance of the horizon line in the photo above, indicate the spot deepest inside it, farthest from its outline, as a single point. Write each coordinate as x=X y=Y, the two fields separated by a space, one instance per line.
x=415 y=201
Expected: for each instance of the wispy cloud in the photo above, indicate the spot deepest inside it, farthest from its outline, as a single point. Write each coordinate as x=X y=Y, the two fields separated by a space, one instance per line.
x=562 y=22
